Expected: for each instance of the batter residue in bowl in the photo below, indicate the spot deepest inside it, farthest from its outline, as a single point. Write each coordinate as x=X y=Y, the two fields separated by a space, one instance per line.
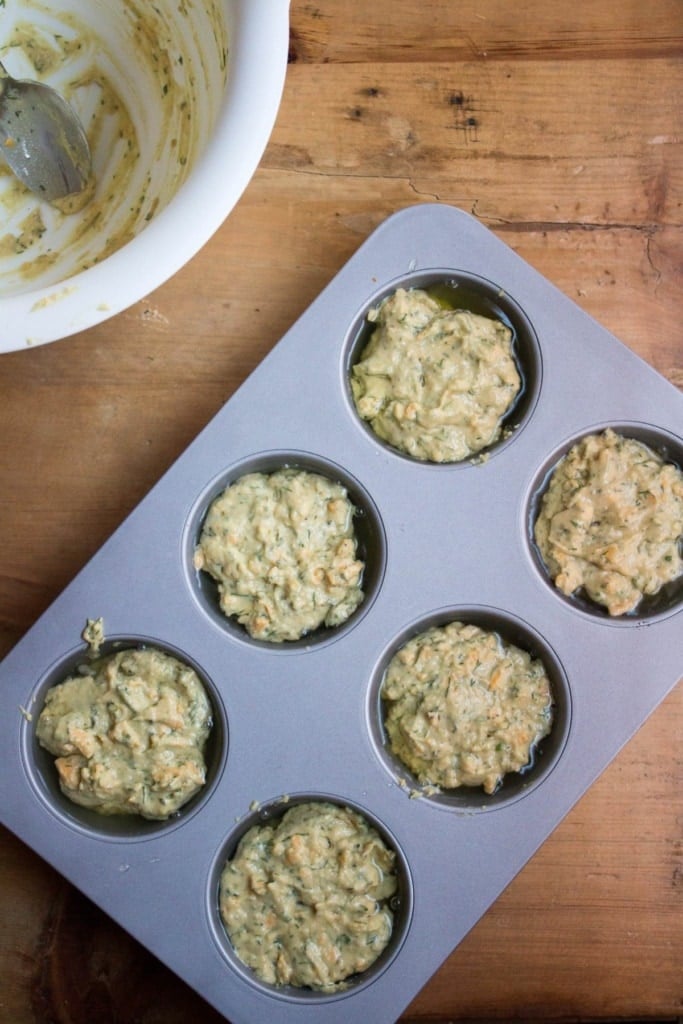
x=147 y=92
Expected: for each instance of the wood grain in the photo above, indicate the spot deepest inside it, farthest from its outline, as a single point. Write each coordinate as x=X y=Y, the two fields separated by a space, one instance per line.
x=557 y=125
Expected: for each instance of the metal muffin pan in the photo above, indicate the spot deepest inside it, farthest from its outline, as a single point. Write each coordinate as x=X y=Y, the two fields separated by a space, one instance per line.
x=303 y=720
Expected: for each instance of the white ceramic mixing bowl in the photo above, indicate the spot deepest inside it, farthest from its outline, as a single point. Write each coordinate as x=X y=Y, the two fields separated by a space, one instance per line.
x=178 y=99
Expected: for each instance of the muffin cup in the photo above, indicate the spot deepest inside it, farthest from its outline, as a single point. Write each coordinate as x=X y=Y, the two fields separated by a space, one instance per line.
x=400 y=903
x=39 y=763
x=544 y=754
x=651 y=606
x=476 y=295
x=371 y=545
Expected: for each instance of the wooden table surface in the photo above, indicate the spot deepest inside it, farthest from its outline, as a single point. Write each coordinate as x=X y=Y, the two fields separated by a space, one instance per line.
x=559 y=125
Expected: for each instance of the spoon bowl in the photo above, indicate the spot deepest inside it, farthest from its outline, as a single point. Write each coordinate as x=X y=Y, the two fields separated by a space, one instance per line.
x=42 y=140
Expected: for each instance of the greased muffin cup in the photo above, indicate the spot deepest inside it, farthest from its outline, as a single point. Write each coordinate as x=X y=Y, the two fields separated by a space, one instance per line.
x=367 y=529
x=269 y=815
x=665 y=448
x=302 y=720
x=40 y=762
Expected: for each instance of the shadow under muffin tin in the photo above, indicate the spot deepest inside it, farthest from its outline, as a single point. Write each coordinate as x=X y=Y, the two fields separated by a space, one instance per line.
x=302 y=720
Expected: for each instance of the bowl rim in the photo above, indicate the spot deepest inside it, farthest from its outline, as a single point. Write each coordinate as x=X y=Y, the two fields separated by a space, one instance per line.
x=258 y=33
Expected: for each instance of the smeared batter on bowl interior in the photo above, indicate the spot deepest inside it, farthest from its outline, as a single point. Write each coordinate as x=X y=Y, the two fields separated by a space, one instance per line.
x=463 y=707
x=305 y=899
x=147 y=94
x=283 y=551
x=128 y=733
x=611 y=521
x=435 y=382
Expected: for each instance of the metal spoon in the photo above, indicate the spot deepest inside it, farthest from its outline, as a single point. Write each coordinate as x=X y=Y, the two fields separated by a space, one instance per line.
x=42 y=140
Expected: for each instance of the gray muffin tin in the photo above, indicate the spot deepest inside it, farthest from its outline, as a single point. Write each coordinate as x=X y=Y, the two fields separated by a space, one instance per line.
x=302 y=720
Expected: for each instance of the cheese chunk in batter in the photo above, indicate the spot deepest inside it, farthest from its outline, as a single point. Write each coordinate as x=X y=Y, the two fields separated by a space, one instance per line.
x=611 y=522
x=305 y=899
x=283 y=550
x=463 y=708
x=129 y=734
x=433 y=382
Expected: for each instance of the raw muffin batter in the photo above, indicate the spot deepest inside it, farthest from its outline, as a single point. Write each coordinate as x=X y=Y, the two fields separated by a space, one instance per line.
x=434 y=382
x=282 y=549
x=611 y=522
x=129 y=734
x=305 y=899
x=464 y=708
